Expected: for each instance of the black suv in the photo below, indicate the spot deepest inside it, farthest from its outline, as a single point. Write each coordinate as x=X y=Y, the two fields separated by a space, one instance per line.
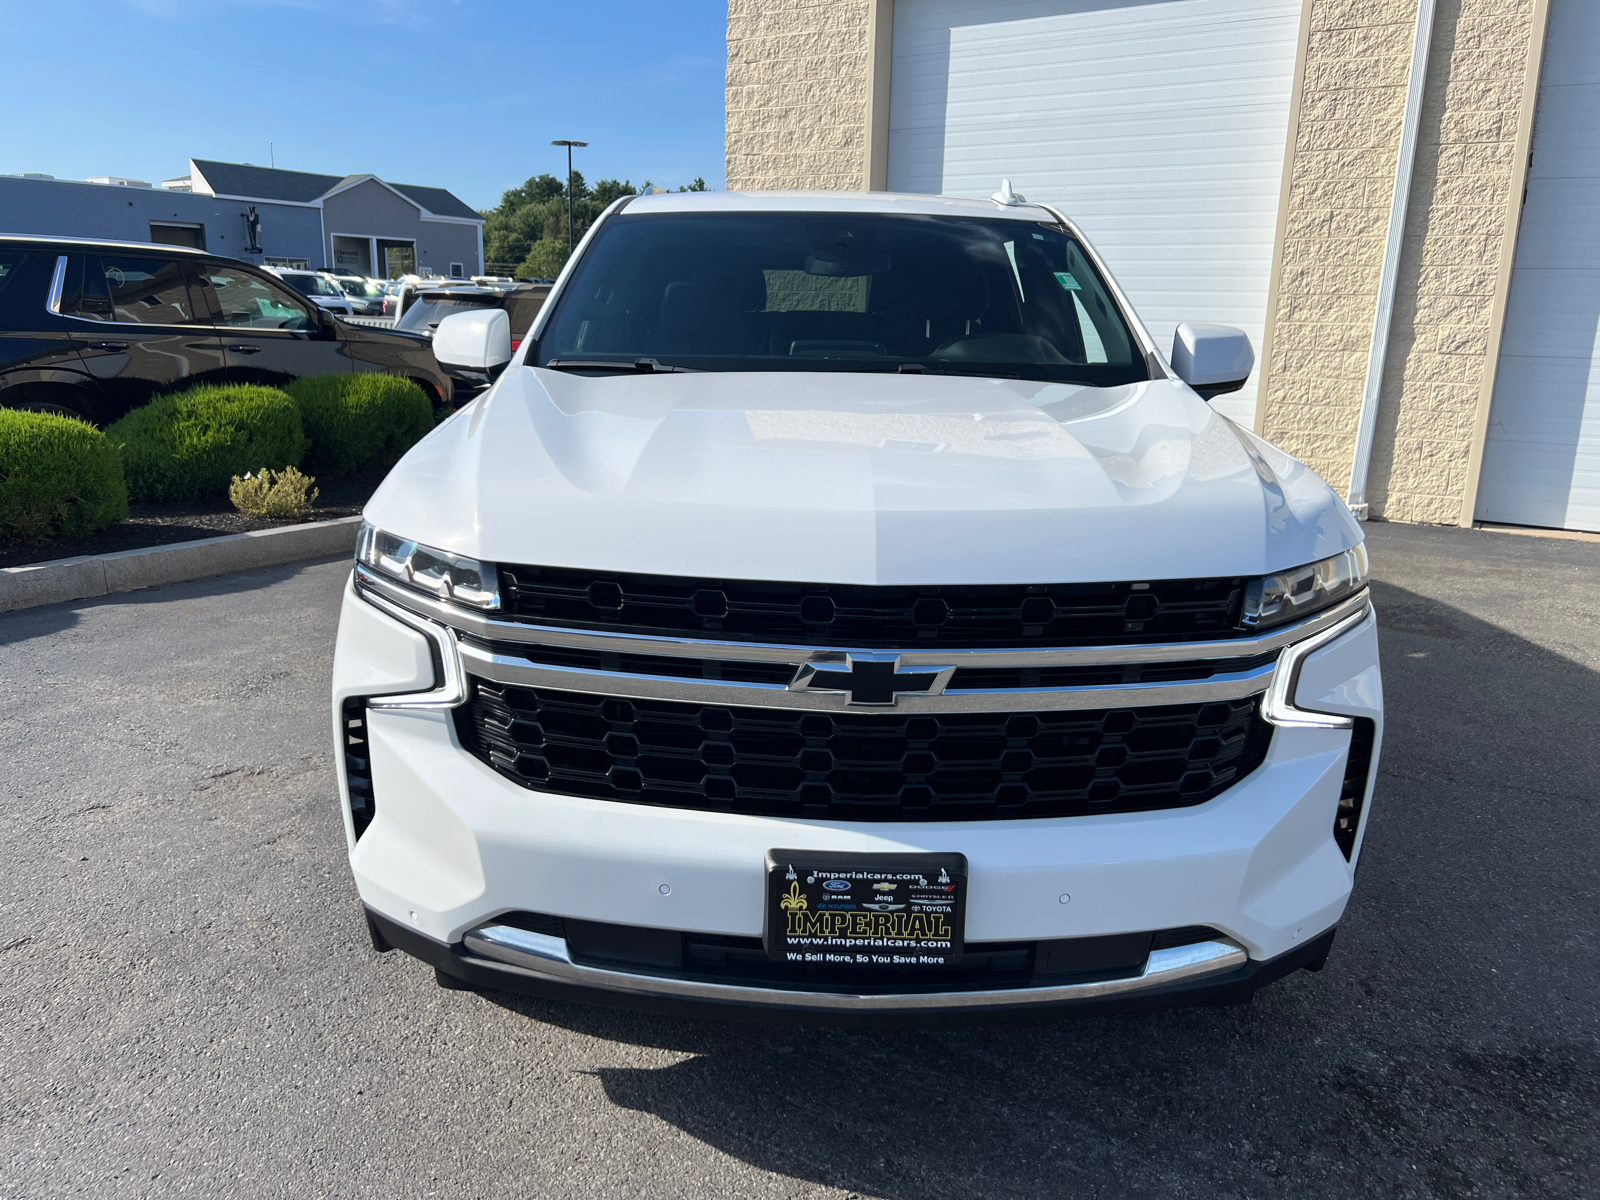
x=93 y=329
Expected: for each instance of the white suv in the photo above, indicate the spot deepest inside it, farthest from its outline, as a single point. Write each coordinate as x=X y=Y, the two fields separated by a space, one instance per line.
x=839 y=607
x=321 y=289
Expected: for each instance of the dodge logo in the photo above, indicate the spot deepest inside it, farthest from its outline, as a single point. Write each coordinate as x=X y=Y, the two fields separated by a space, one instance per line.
x=876 y=680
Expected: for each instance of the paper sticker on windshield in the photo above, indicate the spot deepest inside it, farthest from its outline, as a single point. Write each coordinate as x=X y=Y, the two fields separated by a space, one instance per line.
x=1065 y=279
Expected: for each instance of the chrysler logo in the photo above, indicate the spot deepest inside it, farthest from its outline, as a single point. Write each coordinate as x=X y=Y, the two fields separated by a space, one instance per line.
x=868 y=679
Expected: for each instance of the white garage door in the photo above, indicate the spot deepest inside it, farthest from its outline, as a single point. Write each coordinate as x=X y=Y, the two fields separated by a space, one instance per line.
x=1158 y=127
x=1541 y=462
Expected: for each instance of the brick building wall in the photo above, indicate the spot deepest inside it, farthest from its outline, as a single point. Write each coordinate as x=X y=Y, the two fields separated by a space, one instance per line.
x=798 y=93
x=1352 y=101
x=1458 y=225
x=1460 y=222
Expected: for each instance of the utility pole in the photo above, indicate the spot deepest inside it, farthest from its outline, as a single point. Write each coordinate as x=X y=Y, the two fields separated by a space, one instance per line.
x=569 y=146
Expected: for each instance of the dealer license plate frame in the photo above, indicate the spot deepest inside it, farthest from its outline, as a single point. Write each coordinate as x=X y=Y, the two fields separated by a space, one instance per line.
x=912 y=883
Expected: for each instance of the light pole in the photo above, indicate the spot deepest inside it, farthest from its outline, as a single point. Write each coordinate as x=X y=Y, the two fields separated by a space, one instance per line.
x=569 y=145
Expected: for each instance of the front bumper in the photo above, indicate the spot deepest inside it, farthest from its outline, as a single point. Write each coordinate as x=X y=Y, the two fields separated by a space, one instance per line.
x=1213 y=974
x=454 y=845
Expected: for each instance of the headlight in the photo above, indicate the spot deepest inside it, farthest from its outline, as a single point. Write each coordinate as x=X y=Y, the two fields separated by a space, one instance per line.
x=437 y=572
x=1290 y=595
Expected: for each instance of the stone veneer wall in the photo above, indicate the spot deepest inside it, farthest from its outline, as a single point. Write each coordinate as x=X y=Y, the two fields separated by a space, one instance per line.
x=1341 y=184
x=1352 y=100
x=1462 y=189
x=798 y=80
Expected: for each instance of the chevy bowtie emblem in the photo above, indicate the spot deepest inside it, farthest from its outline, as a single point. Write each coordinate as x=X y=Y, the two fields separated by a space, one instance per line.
x=869 y=679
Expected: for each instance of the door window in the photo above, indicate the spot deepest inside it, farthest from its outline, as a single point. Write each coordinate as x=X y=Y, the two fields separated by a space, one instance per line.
x=249 y=301
x=142 y=291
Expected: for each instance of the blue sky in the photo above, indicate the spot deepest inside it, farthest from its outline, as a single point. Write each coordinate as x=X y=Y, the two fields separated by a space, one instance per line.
x=463 y=94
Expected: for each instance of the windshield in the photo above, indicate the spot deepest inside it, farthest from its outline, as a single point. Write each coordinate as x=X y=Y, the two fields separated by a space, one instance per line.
x=428 y=311
x=312 y=285
x=841 y=292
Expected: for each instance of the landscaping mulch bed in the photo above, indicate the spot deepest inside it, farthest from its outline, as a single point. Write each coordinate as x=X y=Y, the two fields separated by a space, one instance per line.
x=163 y=524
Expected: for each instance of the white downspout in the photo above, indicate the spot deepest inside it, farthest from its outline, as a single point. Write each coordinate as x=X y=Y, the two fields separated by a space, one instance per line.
x=1379 y=349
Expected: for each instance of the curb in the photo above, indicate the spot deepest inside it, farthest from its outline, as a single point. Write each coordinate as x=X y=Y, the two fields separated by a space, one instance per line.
x=128 y=570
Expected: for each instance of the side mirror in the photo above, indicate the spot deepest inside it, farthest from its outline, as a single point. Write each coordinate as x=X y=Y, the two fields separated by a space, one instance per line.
x=478 y=341
x=1212 y=359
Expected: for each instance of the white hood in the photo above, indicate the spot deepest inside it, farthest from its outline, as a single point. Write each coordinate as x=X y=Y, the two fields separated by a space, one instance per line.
x=839 y=477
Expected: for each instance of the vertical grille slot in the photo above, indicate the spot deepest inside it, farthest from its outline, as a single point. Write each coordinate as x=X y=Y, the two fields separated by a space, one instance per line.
x=1353 y=795
x=358 y=763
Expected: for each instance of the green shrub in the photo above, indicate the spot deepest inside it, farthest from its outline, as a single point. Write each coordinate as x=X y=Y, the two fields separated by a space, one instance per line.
x=269 y=493
x=59 y=477
x=191 y=444
x=360 y=422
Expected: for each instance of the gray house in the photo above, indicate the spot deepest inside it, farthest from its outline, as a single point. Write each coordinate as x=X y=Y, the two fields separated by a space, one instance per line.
x=261 y=215
x=136 y=212
x=372 y=226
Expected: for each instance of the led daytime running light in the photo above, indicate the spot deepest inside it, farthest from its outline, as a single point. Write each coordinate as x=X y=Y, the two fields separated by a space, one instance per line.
x=1290 y=595
x=445 y=576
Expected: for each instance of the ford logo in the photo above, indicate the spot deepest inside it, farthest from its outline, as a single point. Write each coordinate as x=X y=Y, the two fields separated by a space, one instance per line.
x=836 y=885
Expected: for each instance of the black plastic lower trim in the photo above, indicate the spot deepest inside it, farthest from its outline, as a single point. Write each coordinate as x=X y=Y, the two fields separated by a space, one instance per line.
x=1223 y=990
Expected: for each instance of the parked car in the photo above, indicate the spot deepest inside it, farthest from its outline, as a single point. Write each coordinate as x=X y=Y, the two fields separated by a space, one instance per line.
x=93 y=329
x=411 y=286
x=319 y=288
x=521 y=304
x=839 y=607
x=365 y=295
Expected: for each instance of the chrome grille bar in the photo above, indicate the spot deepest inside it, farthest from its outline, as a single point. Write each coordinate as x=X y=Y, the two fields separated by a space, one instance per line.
x=486 y=664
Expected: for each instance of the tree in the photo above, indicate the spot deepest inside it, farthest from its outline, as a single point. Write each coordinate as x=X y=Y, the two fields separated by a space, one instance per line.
x=545 y=260
x=527 y=217
x=608 y=191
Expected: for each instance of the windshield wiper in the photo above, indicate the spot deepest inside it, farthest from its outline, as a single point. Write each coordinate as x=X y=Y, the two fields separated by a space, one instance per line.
x=643 y=366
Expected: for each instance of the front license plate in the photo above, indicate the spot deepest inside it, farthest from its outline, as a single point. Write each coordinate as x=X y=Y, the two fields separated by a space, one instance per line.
x=865 y=911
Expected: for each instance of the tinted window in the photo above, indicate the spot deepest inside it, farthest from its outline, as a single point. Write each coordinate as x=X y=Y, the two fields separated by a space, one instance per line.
x=312 y=285
x=18 y=295
x=428 y=311
x=146 y=291
x=522 y=308
x=847 y=291
x=252 y=302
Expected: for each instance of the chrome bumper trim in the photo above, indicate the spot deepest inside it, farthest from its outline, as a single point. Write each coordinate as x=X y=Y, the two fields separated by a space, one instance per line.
x=519 y=672
x=489 y=628
x=546 y=957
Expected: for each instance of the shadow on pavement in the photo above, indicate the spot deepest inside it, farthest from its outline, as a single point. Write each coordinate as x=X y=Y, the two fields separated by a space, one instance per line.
x=1447 y=1050
x=25 y=624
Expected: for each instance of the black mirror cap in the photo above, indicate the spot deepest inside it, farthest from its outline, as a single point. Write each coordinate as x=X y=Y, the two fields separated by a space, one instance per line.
x=1220 y=389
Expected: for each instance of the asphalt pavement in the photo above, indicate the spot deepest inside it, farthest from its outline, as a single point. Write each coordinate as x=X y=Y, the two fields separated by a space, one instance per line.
x=191 y=1007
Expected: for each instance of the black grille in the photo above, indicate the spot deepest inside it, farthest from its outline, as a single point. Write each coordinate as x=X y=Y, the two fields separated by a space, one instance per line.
x=358 y=764
x=964 y=678
x=1353 y=793
x=863 y=767
x=826 y=614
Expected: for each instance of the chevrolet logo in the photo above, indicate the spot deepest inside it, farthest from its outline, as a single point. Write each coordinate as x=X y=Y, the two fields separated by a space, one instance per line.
x=868 y=679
